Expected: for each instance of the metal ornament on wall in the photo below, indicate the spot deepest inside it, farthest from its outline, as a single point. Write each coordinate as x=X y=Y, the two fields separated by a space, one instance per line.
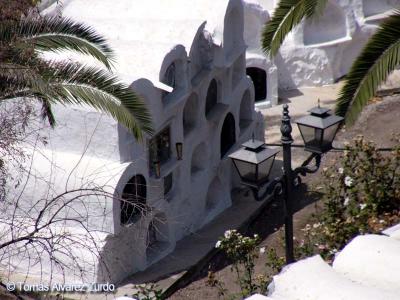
x=179 y=150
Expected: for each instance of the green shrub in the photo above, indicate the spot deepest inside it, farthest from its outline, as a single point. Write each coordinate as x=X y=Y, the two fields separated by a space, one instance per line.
x=147 y=291
x=361 y=195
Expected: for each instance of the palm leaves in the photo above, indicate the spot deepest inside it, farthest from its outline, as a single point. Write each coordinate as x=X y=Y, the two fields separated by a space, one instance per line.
x=24 y=74
x=380 y=56
x=287 y=16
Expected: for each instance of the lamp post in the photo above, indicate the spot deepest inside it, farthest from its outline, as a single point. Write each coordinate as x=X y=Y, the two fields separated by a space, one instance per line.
x=254 y=161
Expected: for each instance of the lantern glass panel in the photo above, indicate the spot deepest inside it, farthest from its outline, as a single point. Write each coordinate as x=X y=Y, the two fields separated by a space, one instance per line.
x=329 y=134
x=312 y=136
x=247 y=171
x=264 y=168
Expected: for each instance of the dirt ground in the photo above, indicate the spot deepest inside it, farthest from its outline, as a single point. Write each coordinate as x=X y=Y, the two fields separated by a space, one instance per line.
x=377 y=123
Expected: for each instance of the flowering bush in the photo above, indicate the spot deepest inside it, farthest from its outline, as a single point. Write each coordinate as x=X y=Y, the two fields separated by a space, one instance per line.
x=242 y=251
x=147 y=291
x=361 y=196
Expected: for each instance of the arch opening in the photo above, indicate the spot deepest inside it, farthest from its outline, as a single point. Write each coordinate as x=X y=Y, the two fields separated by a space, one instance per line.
x=190 y=114
x=212 y=96
x=259 y=78
x=170 y=75
x=133 y=200
x=174 y=77
x=228 y=135
x=169 y=79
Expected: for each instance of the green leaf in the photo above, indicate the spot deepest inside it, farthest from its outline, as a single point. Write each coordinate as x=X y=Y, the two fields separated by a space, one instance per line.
x=287 y=16
x=380 y=56
x=55 y=34
x=78 y=94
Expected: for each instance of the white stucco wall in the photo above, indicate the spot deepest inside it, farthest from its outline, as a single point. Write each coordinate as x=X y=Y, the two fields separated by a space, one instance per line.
x=365 y=268
x=205 y=42
x=255 y=16
x=321 y=50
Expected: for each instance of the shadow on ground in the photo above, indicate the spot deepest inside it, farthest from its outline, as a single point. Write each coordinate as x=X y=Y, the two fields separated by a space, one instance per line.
x=270 y=218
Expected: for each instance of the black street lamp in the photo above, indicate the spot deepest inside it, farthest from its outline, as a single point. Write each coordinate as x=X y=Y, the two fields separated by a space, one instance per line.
x=254 y=161
x=319 y=129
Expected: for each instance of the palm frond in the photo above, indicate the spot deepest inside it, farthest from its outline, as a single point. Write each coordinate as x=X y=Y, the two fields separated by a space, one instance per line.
x=18 y=76
x=287 y=16
x=73 y=83
x=380 y=56
x=47 y=112
x=79 y=94
x=54 y=34
x=101 y=80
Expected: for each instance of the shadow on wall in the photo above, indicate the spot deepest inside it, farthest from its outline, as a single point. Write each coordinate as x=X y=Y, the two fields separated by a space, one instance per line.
x=283 y=72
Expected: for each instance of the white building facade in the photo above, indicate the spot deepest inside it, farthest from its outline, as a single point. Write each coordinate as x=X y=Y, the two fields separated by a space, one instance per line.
x=187 y=60
x=321 y=50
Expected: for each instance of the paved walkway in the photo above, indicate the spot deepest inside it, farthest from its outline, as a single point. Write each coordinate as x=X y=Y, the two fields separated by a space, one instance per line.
x=299 y=101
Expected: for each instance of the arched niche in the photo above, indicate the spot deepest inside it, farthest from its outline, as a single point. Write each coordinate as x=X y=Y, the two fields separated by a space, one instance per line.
x=190 y=114
x=174 y=77
x=233 y=30
x=228 y=135
x=200 y=158
x=133 y=200
x=170 y=75
x=157 y=237
x=331 y=26
x=376 y=7
x=246 y=111
x=214 y=194
x=259 y=78
x=212 y=96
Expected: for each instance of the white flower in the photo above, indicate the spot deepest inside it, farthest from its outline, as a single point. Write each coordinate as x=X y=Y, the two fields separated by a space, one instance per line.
x=340 y=170
x=256 y=236
x=362 y=206
x=333 y=251
x=228 y=234
x=218 y=244
x=346 y=201
x=348 y=181
x=316 y=225
x=262 y=250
